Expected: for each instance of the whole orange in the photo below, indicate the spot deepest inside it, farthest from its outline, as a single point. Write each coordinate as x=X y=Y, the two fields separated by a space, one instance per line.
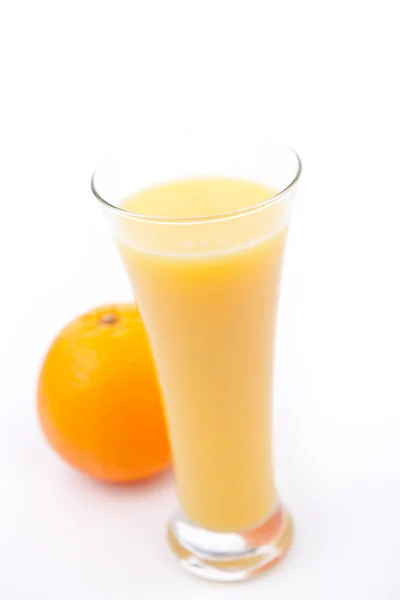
x=98 y=399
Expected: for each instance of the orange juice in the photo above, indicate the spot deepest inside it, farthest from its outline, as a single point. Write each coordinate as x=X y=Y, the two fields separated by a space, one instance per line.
x=208 y=290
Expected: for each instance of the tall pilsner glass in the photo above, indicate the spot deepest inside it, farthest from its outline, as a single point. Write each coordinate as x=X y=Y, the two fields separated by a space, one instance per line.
x=203 y=246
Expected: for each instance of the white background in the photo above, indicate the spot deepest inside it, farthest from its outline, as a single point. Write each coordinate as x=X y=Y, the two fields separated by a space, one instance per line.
x=78 y=79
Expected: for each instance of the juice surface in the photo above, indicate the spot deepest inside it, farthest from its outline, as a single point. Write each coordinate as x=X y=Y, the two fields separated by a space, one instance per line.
x=208 y=296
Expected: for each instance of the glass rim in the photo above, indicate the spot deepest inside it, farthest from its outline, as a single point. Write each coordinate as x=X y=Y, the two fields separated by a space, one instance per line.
x=203 y=218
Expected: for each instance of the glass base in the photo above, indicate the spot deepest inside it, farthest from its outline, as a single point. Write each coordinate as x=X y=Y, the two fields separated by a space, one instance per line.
x=231 y=556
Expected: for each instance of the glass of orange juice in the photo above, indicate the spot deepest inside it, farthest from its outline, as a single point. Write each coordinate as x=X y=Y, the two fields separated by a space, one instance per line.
x=201 y=221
